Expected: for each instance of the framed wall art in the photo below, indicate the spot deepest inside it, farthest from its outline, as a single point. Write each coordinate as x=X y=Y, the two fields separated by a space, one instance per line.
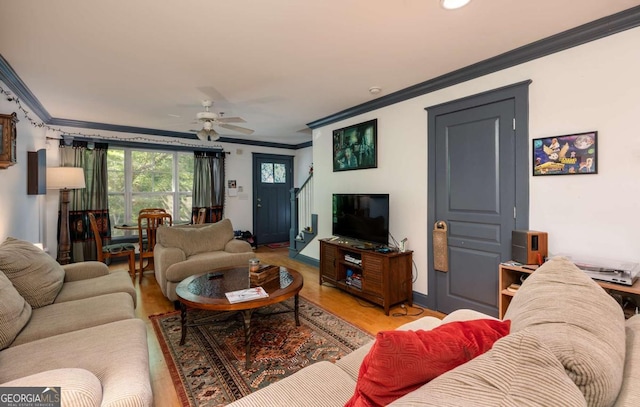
x=7 y=140
x=355 y=147
x=570 y=154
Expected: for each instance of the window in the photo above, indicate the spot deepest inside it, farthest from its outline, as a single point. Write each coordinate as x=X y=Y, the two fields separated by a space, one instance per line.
x=148 y=179
x=273 y=173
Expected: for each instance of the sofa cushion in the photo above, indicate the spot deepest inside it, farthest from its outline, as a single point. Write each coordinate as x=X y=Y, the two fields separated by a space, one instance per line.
x=84 y=270
x=416 y=357
x=78 y=387
x=321 y=384
x=205 y=262
x=579 y=322
x=14 y=312
x=192 y=240
x=630 y=392
x=59 y=318
x=518 y=371
x=116 y=353
x=237 y=246
x=117 y=281
x=36 y=276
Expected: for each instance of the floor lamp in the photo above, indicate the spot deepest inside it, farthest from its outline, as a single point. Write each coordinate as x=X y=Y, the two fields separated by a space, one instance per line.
x=64 y=179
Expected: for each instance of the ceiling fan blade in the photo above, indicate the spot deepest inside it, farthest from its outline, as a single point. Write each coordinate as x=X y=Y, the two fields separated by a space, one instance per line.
x=231 y=120
x=213 y=94
x=237 y=128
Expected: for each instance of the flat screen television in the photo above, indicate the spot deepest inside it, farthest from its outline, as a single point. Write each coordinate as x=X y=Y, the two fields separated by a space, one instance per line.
x=363 y=217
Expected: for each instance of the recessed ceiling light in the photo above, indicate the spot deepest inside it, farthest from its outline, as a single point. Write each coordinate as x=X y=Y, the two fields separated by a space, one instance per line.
x=453 y=4
x=374 y=90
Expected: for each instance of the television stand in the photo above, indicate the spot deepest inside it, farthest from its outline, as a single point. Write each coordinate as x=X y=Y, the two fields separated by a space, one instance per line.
x=382 y=278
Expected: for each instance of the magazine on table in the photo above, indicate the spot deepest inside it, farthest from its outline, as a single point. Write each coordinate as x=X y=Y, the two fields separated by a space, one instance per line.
x=247 y=294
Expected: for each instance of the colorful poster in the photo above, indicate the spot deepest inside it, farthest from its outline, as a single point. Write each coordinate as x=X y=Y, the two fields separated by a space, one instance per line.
x=566 y=155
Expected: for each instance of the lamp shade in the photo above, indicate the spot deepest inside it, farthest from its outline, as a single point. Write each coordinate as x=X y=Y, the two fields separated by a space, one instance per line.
x=65 y=178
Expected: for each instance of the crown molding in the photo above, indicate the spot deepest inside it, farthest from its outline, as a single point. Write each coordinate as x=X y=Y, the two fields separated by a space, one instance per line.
x=22 y=92
x=592 y=31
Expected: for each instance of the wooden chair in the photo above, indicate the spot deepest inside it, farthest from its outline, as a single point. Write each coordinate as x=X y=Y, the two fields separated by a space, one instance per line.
x=202 y=216
x=113 y=250
x=151 y=210
x=147 y=225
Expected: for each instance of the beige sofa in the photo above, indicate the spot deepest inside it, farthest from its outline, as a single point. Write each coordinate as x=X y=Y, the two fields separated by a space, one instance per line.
x=183 y=251
x=72 y=327
x=569 y=345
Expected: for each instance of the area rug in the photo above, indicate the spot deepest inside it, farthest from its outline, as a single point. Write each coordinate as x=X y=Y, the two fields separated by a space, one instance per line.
x=209 y=369
x=277 y=245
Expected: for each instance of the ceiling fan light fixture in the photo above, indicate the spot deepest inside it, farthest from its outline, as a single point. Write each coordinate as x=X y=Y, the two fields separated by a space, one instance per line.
x=453 y=4
x=206 y=116
x=208 y=135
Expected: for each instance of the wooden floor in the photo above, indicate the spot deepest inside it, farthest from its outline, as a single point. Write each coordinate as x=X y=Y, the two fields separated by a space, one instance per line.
x=365 y=315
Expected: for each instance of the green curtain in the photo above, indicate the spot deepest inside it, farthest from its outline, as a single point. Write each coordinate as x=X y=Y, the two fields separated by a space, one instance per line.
x=208 y=185
x=93 y=198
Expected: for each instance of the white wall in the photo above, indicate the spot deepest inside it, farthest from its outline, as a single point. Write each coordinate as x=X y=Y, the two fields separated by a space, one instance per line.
x=21 y=215
x=591 y=87
x=239 y=167
x=302 y=164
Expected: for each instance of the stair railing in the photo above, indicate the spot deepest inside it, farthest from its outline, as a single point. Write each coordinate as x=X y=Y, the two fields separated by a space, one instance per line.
x=302 y=210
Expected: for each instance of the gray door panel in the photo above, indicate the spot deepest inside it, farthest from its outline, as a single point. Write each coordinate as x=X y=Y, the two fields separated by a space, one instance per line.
x=475 y=196
x=271 y=198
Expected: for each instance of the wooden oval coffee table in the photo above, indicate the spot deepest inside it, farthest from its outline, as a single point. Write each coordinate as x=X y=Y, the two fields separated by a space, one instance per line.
x=207 y=291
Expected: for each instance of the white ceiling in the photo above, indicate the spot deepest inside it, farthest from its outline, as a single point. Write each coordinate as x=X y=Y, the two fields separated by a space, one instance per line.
x=279 y=64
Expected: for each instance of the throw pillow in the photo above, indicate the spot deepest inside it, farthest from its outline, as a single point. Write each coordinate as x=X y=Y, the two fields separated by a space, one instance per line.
x=401 y=361
x=36 y=276
x=580 y=323
x=518 y=371
x=14 y=312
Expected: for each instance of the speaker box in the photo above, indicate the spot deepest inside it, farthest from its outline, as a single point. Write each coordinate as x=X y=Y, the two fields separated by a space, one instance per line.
x=37 y=172
x=528 y=246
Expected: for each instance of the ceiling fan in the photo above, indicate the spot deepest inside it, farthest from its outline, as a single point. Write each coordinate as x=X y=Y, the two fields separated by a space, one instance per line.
x=210 y=119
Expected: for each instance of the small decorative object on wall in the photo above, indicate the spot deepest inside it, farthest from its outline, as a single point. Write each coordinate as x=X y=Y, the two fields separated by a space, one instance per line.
x=355 y=147
x=8 y=140
x=566 y=155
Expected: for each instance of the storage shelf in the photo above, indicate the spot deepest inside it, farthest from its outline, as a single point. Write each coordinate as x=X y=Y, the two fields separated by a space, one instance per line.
x=511 y=274
x=386 y=277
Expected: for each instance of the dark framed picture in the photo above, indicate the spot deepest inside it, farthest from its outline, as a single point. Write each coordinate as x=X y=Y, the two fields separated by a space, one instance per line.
x=355 y=147
x=571 y=154
x=7 y=140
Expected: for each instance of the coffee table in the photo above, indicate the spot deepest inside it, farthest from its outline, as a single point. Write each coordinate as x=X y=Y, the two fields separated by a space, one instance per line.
x=207 y=291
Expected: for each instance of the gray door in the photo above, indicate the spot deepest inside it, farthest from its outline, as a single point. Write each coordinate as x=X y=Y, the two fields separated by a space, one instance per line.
x=475 y=194
x=272 y=181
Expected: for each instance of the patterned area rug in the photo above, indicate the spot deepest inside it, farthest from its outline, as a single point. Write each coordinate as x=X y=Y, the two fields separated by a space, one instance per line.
x=209 y=369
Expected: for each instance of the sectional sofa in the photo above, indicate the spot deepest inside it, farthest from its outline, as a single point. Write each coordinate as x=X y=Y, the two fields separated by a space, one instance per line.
x=71 y=327
x=568 y=344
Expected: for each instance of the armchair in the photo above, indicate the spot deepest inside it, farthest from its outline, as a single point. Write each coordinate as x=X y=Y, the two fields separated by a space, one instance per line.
x=183 y=251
